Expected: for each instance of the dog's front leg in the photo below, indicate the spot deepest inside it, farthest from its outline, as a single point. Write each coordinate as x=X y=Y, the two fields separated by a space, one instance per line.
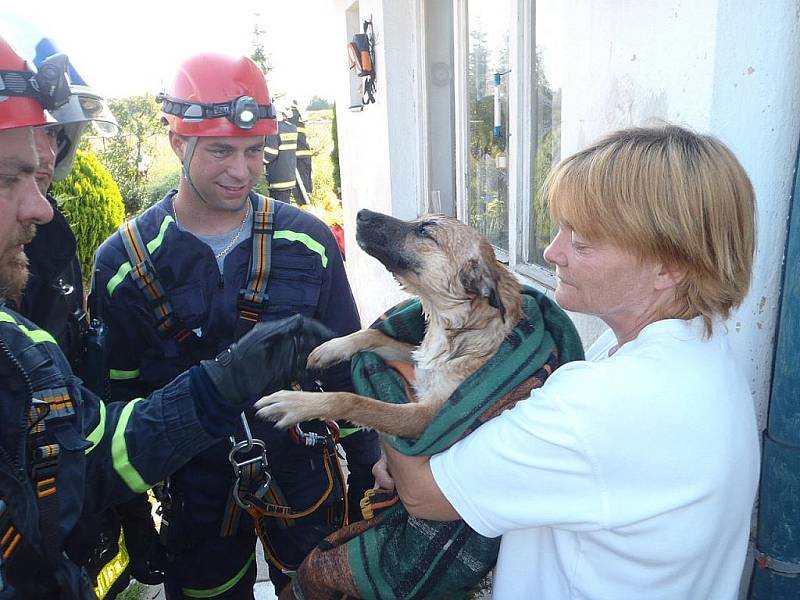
x=342 y=349
x=289 y=407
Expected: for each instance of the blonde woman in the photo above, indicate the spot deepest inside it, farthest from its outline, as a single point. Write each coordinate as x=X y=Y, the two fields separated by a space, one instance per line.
x=631 y=474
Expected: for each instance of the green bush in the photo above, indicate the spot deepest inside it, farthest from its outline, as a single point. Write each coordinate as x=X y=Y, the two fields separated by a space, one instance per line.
x=158 y=187
x=92 y=203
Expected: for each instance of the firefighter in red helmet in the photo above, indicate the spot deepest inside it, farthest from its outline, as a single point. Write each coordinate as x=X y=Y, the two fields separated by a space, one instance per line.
x=218 y=258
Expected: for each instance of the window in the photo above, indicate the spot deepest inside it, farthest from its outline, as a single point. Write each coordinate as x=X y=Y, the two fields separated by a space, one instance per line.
x=506 y=120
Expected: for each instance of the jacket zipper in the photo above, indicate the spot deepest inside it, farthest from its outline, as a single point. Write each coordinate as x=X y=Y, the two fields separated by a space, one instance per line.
x=19 y=470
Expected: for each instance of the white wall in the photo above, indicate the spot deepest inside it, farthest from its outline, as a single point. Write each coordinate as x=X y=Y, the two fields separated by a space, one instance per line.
x=378 y=147
x=755 y=108
x=727 y=67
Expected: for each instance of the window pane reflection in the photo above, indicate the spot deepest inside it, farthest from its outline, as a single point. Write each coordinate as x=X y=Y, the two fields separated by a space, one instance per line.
x=547 y=122
x=489 y=26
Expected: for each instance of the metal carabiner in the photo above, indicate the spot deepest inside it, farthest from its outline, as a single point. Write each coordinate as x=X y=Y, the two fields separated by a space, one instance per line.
x=247 y=434
x=260 y=492
x=246 y=446
x=238 y=467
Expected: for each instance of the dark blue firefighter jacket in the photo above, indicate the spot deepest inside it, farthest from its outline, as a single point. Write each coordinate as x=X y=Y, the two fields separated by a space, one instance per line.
x=106 y=454
x=307 y=276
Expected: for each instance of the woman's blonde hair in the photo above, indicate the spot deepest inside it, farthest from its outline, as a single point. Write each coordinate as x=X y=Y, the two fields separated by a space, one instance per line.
x=669 y=194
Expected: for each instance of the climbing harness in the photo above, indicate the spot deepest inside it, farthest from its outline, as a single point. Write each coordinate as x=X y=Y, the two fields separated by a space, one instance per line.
x=258 y=493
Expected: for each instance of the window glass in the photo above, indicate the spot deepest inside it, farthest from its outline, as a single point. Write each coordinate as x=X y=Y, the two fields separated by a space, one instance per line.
x=546 y=122
x=487 y=88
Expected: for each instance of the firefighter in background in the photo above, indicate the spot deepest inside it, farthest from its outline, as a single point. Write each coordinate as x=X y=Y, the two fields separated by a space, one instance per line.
x=216 y=258
x=280 y=160
x=304 y=153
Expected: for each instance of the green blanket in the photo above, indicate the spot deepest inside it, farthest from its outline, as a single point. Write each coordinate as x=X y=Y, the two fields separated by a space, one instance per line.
x=404 y=557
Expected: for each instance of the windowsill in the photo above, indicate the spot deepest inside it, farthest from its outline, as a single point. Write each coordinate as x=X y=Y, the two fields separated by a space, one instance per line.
x=537 y=275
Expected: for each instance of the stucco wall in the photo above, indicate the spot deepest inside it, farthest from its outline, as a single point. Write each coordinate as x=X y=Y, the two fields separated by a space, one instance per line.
x=730 y=68
x=378 y=146
x=755 y=108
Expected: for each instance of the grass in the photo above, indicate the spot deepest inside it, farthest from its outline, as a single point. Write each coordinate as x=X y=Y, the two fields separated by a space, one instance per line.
x=135 y=591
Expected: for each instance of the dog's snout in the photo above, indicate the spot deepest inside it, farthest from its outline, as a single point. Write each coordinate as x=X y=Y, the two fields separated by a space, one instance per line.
x=364 y=216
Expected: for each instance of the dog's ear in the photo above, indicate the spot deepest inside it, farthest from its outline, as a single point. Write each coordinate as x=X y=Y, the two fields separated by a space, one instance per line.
x=478 y=278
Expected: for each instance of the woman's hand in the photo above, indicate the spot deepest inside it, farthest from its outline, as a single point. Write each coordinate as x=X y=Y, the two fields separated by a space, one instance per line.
x=380 y=471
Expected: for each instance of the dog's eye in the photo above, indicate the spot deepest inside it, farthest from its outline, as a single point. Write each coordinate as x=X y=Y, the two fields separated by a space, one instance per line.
x=424 y=230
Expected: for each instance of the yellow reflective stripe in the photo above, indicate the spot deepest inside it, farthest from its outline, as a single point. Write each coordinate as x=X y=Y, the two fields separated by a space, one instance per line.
x=282 y=185
x=119 y=452
x=120 y=375
x=123 y=270
x=306 y=240
x=304 y=152
x=35 y=335
x=345 y=431
x=301 y=130
x=287 y=147
x=98 y=431
x=112 y=570
x=152 y=246
x=269 y=150
x=220 y=589
x=287 y=136
x=156 y=242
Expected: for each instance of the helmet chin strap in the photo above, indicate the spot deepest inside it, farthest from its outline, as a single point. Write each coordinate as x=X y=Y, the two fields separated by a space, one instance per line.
x=191 y=146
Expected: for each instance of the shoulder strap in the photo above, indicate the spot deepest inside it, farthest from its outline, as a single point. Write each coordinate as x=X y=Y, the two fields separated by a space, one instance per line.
x=145 y=275
x=253 y=298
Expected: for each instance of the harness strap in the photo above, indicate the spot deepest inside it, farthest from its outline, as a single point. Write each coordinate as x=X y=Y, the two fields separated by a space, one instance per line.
x=260 y=507
x=375 y=501
x=144 y=273
x=49 y=409
x=271 y=509
x=253 y=298
x=9 y=536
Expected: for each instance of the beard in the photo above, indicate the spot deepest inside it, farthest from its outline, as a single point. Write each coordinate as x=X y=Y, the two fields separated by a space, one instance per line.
x=14 y=265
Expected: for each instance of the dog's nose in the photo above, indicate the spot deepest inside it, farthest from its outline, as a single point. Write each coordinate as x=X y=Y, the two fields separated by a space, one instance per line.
x=364 y=216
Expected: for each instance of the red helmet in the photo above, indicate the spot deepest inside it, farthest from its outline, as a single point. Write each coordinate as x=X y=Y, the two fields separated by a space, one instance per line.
x=219 y=95
x=22 y=109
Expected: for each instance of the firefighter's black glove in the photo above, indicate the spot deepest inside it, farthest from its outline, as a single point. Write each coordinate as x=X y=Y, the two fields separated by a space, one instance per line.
x=267 y=359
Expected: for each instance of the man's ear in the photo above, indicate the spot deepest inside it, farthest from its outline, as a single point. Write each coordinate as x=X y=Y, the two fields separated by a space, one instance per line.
x=178 y=143
x=669 y=275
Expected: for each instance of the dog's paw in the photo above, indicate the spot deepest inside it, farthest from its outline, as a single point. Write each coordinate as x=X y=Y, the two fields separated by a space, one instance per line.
x=288 y=408
x=330 y=353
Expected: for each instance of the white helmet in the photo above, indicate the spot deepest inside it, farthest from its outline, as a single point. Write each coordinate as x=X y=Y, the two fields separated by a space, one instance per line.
x=85 y=106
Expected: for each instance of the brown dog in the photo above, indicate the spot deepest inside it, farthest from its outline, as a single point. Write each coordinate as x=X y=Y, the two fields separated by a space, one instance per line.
x=470 y=302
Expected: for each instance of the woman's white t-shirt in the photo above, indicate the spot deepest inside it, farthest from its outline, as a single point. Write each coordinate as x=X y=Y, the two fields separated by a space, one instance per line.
x=625 y=476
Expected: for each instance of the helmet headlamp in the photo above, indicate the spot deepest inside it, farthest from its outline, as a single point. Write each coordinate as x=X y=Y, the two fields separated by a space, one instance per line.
x=244 y=111
x=49 y=85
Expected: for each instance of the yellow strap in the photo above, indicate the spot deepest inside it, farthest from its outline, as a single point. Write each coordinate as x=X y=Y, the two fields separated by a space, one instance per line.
x=113 y=569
